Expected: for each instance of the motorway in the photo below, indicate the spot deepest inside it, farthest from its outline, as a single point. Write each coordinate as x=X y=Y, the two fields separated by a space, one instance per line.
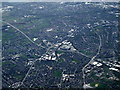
x=23 y=34
x=92 y=59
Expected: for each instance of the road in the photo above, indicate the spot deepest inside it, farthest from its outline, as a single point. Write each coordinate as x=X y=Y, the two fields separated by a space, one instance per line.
x=92 y=59
x=23 y=34
x=31 y=42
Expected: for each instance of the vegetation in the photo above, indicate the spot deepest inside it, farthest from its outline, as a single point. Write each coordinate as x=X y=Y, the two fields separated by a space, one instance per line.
x=57 y=73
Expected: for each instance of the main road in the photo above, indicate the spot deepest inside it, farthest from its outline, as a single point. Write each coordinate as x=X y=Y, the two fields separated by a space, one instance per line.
x=22 y=33
x=92 y=59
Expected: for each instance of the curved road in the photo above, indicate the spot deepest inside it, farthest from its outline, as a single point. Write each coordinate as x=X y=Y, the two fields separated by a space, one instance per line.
x=92 y=59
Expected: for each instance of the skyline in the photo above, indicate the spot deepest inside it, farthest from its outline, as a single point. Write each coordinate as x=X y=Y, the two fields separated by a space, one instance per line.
x=59 y=0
